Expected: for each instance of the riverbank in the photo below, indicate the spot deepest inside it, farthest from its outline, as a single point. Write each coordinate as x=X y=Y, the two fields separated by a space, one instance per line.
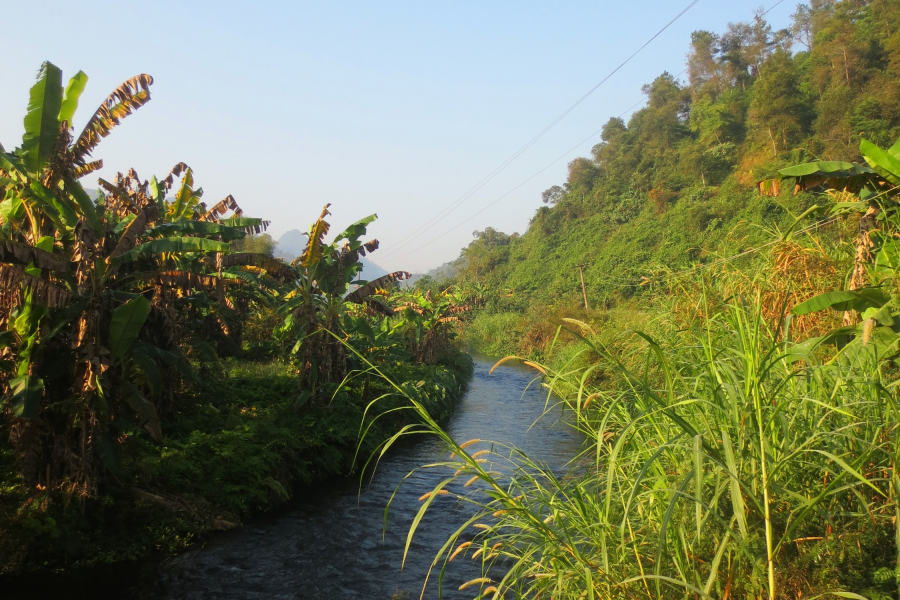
x=531 y=334
x=665 y=417
x=238 y=445
x=337 y=542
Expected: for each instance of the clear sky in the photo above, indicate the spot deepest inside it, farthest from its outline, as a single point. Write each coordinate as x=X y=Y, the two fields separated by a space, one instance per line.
x=393 y=107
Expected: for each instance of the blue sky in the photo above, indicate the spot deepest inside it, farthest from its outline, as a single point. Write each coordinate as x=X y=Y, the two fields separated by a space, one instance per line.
x=393 y=107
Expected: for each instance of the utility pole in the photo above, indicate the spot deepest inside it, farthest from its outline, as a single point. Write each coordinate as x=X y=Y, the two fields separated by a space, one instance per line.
x=583 y=288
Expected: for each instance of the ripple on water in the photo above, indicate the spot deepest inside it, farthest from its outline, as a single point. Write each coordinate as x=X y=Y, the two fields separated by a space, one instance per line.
x=331 y=546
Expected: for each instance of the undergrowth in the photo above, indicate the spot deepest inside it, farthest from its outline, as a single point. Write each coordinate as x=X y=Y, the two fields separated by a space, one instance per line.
x=238 y=445
x=721 y=460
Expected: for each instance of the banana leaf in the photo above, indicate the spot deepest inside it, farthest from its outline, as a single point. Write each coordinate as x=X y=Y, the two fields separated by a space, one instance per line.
x=887 y=165
x=24 y=254
x=149 y=370
x=356 y=230
x=27 y=392
x=125 y=99
x=63 y=206
x=126 y=324
x=247 y=224
x=143 y=408
x=834 y=173
x=274 y=266
x=73 y=93
x=41 y=124
x=313 y=252
x=175 y=245
x=88 y=210
x=358 y=295
x=226 y=232
x=858 y=300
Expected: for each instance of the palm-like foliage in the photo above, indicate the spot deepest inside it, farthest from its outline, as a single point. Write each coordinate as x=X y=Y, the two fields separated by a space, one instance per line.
x=430 y=321
x=91 y=292
x=317 y=303
x=870 y=192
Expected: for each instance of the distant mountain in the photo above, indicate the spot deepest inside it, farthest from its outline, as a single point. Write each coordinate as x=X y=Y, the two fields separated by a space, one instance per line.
x=445 y=271
x=371 y=270
x=291 y=245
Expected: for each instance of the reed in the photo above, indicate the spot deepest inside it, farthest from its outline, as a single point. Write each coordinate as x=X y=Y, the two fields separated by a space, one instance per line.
x=717 y=466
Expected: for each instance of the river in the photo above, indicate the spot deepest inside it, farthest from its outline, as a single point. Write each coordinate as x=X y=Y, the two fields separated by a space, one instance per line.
x=332 y=543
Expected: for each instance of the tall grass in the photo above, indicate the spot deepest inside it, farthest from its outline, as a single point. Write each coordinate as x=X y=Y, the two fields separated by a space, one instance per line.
x=494 y=333
x=723 y=462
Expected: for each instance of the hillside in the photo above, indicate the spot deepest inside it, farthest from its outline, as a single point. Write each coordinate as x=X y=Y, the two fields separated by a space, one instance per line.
x=676 y=184
x=444 y=272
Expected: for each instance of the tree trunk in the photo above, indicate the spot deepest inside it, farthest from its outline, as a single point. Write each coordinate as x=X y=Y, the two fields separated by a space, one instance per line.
x=846 y=65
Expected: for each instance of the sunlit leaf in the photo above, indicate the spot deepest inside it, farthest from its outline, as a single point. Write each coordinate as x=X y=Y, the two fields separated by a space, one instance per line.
x=41 y=124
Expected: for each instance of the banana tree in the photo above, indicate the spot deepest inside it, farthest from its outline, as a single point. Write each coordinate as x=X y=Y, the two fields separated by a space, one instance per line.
x=430 y=320
x=872 y=191
x=314 y=308
x=380 y=340
x=147 y=273
x=90 y=347
x=45 y=213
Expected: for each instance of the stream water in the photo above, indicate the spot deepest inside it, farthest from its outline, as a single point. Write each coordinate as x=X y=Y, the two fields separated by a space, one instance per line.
x=333 y=544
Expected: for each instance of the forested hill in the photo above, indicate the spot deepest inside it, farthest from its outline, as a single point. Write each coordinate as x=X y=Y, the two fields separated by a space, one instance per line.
x=670 y=186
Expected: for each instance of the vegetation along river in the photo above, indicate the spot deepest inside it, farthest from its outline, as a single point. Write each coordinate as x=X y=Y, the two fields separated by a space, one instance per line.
x=331 y=546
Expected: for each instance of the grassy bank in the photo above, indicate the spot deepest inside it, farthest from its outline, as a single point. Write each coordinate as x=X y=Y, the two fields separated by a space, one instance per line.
x=238 y=445
x=530 y=334
x=723 y=458
x=735 y=447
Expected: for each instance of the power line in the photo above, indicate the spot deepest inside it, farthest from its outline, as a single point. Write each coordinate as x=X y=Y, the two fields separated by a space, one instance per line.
x=431 y=223
x=771 y=8
x=556 y=160
x=394 y=250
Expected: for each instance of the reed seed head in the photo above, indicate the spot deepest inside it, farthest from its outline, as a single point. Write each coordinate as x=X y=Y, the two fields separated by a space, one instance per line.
x=475 y=582
x=461 y=547
x=535 y=366
x=868 y=326
x=428 y=495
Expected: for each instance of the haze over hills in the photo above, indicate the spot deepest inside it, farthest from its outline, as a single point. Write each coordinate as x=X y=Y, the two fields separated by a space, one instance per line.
x=291 y=245
x=445 y=272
